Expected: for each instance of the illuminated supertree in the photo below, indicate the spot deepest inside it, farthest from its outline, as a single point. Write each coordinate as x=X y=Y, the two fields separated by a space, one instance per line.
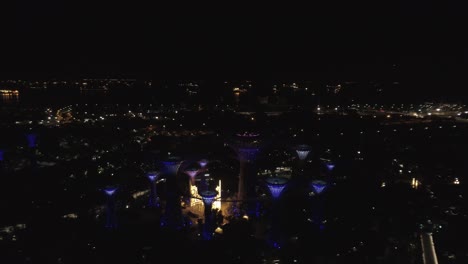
x=329 y=165
x=247 y=146
x=111 y=218
x=318 y=187
x=208 y=198
x=203 y=163
x=276 y=186
x=153 y=177
x=171 y=165
x=192 y=173
x=303 y=151
x=172 y=217
x=203 y=168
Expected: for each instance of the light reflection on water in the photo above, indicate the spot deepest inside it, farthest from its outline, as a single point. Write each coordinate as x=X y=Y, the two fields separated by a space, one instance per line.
x=9 y=98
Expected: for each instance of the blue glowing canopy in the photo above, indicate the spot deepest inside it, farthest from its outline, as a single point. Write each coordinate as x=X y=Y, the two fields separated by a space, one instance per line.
x=303 y=151
x=172 y=164
x=1 y=154
x=203 y=163
x=192 y=172
x=319 y=186
x=152 y=175
x=330 y=166
x=110 y=190
x=276 y=185
x=247 y=145
x=208 y=196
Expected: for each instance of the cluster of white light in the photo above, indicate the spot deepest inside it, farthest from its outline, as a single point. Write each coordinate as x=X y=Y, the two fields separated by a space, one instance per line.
x=217 y=202
x=414 y=183
x=139 y=194
x=195 y=201
x=70 y=216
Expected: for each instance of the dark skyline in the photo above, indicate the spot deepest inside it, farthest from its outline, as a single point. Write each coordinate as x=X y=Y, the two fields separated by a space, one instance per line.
x=349 y=41
x=322 y=133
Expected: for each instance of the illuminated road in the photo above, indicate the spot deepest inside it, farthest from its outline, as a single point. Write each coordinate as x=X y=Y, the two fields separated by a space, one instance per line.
x=428 y=248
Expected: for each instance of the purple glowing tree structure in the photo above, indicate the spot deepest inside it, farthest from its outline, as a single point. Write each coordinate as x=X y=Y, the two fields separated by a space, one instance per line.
x=111 y=218
x=171 y=165
x=192 y=173
x=276 y=185
x=172 y=217
x=208 y=198
x=330 y=166
x=153 y=177
x=303 y=151
x=318 y=186
x=247 y=147
x=203 y=163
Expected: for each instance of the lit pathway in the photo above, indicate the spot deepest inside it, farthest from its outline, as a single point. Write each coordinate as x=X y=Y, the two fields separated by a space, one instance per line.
x=428 y=248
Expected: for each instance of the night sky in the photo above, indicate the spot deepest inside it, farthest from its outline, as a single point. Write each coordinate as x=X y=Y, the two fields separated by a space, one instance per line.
x=351 y=41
